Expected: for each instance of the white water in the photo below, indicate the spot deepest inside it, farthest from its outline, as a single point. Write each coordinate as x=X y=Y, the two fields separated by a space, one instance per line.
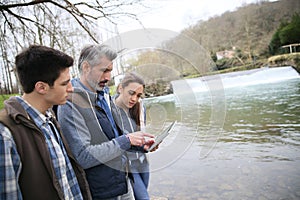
x=243 y=78
x=189 y=90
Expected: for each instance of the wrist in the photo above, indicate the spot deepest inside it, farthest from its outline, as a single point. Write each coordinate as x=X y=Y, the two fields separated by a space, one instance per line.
x=128 y=138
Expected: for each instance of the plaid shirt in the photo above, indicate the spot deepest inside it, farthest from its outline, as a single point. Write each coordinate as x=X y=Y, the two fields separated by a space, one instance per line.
x=10 y=165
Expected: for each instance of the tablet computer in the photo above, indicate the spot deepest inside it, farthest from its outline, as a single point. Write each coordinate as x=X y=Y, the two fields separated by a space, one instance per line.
x=162 y=135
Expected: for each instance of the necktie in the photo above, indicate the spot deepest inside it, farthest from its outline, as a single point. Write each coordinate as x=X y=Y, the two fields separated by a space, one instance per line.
x=103 y=104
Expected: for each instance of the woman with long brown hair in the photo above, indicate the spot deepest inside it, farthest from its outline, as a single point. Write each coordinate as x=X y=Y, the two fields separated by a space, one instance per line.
x=132 y=118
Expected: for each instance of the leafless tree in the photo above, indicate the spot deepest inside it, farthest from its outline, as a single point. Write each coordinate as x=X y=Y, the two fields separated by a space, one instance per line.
x=62 y=24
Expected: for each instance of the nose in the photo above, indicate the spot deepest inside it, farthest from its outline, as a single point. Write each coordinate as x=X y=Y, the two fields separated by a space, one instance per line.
x=107 y=75
x=70 y=87
x=134 y=98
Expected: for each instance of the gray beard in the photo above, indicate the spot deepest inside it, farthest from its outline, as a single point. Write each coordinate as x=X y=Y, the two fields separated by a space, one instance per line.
x=94 y=85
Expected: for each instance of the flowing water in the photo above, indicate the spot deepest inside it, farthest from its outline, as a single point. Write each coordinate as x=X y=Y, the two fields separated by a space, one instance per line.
x=235 y=141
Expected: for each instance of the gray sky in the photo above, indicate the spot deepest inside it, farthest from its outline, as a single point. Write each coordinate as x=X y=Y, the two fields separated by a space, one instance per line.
x=175 y=15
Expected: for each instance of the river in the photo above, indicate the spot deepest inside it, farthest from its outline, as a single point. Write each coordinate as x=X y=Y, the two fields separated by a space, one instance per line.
x=237 y=141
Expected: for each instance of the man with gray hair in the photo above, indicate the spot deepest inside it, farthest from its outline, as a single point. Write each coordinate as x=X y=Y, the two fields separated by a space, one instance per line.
x=88 y=123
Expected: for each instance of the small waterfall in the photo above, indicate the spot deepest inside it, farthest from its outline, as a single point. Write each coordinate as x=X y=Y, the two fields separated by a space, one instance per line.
x=244 y=78
x=186 y=90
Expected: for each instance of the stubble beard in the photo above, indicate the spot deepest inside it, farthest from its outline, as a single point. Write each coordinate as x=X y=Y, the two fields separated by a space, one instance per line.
x=94 y=85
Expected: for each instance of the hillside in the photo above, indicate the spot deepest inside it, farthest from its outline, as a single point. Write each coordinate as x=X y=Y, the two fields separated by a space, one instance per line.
x=249 y=29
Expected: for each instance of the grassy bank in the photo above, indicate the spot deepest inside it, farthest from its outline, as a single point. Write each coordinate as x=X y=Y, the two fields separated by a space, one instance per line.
x=292 y=59
x=258 y=64
x=3 y=97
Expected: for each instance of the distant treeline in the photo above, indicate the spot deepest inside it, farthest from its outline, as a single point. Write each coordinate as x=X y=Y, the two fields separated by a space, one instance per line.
x=248 y=32
x=249 y=29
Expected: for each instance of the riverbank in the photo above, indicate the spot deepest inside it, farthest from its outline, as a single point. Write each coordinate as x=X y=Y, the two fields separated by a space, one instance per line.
x=291 y=59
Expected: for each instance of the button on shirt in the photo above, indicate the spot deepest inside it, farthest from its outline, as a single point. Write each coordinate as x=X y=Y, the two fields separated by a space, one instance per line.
x=60 y=160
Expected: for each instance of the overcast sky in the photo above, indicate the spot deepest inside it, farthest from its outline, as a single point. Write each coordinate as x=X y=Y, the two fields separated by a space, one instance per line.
x=175 y=15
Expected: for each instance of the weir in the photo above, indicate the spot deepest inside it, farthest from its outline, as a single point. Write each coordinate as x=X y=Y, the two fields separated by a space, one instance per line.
x=186 y=90
x=243 y=78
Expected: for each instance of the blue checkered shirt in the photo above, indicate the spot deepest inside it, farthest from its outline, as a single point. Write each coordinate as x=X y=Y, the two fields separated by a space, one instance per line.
x=10 y=164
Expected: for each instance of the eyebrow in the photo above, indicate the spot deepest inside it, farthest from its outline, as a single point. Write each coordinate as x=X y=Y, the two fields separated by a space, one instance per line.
x=135 y=92
x=65 y=82
x=109 y=65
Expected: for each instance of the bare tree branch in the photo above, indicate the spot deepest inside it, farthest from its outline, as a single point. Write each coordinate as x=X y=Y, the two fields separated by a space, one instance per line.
x=15 y=5
x=63 y=24
x=76 y=18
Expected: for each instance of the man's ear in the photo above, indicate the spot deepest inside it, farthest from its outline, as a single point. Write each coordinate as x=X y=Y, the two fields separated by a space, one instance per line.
x=85 y=67
x=41 y=87
x=120 y=89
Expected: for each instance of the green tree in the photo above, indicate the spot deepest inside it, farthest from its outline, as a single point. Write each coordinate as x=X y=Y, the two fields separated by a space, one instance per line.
x=287 y=33
x=291 y=33
x=275 y=43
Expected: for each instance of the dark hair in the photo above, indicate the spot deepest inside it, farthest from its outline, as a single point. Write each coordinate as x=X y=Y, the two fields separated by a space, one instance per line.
x=40 y=63
x=93 y=53
x=135 y=111
x=132 y=77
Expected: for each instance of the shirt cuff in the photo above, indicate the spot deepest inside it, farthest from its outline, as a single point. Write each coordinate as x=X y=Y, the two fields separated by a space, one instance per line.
x=124 y=142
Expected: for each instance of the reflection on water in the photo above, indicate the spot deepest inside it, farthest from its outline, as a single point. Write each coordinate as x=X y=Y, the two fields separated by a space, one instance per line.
x=255 y=155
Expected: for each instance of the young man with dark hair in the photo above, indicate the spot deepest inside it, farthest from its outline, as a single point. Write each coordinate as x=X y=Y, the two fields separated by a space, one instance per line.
x=35 y=161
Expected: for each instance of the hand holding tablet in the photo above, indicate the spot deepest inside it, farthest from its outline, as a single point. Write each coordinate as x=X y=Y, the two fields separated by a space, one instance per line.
x=161 y=136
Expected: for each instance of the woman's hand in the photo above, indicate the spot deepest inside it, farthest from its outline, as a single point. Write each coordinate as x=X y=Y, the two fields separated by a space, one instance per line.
x=141 y=139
